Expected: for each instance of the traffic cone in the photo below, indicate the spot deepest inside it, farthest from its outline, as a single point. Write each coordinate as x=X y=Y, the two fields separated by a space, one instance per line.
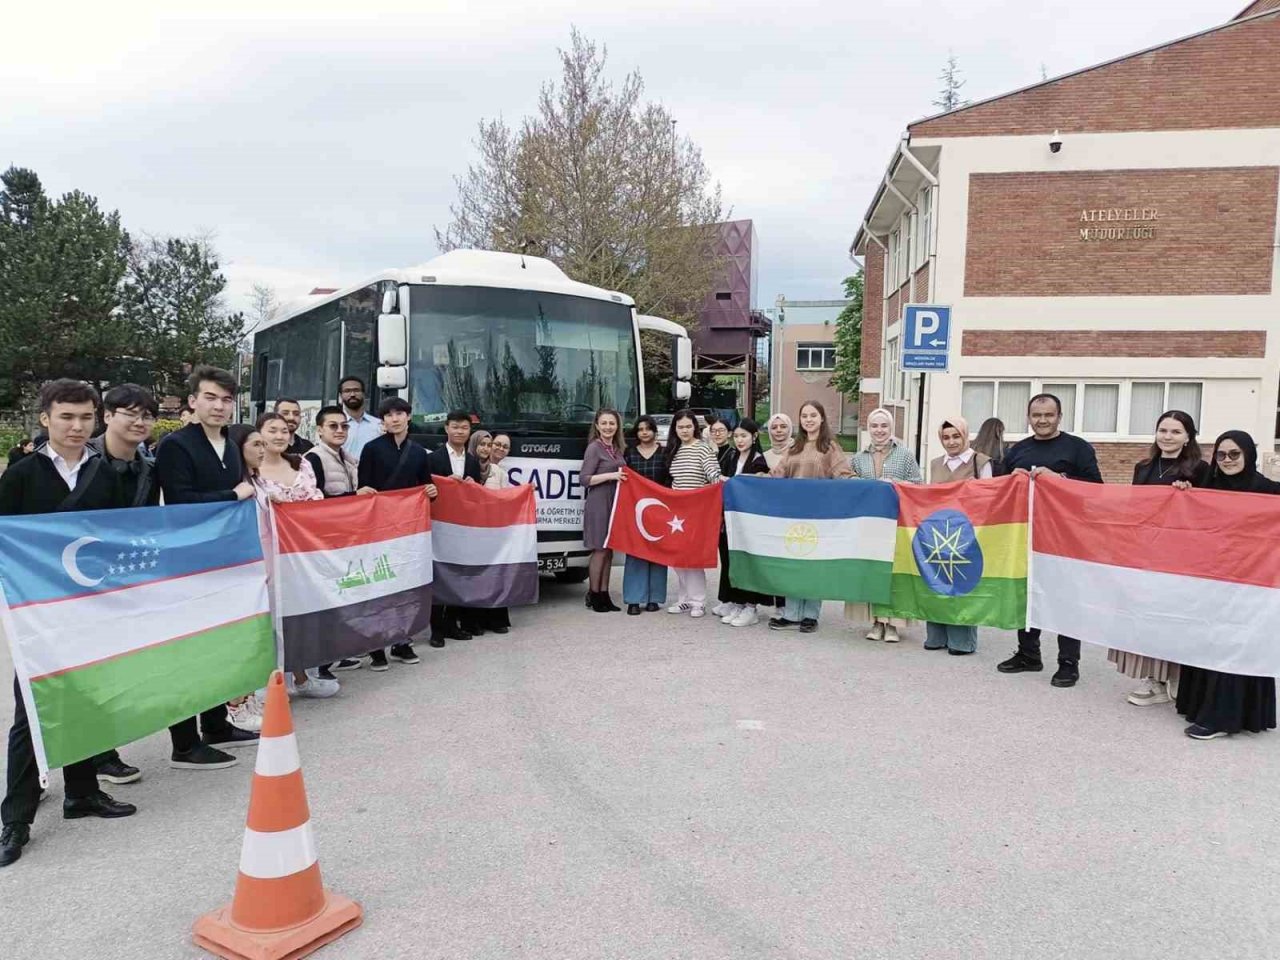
x=281 y=910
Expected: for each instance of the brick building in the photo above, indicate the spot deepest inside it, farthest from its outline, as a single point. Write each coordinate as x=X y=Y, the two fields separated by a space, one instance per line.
x=1109 y=236
x=803 y=358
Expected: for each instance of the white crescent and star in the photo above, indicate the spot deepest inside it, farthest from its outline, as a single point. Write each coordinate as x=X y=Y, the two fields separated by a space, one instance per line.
x=675 y=523
x=70 y=565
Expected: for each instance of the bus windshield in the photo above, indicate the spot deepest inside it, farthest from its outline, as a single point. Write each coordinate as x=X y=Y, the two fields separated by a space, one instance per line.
x=537 y=363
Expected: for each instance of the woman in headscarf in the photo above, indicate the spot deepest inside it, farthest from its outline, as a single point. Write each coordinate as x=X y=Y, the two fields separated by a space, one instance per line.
x=481 y=446
x=1220 y=704
x=780 y=438
x=883 y=458
x=958 y=462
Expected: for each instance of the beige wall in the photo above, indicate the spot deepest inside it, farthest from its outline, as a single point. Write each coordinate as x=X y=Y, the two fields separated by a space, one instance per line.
x=798 y=386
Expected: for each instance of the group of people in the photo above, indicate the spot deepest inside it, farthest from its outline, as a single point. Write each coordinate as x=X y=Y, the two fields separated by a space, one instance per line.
x=79 y=466
x=1216 y=704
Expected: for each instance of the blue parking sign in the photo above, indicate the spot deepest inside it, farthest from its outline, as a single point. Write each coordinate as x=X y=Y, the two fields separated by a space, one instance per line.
x=926 y=337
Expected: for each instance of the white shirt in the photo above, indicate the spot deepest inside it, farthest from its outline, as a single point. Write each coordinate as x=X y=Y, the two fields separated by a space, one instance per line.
x=459 y=460
x=360 y=432
x=69 y=472
x=952 y=463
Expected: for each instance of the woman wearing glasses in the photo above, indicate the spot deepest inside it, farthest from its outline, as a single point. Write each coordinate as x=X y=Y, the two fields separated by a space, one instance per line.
x=1220 y=704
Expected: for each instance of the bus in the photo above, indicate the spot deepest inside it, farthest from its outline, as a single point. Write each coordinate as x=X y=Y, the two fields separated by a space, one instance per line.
x=509 y=338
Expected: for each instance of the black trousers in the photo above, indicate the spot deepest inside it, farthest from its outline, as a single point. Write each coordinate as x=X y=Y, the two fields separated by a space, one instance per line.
x=444 y=620
x=22 y=794
x=185 y=734
x=1029 y=643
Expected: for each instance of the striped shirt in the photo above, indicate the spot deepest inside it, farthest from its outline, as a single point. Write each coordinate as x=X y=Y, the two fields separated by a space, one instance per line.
x=694 y=466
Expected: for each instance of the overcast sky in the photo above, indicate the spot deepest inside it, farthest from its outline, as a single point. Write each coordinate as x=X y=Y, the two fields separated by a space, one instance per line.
x=318 y=141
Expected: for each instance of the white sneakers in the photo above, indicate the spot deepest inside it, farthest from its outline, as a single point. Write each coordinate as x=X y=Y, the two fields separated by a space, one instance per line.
x=680 y=608
x=247 y=714
x=745 y=617
x=876 y=632
x=1151 y=692
x=314 y=688
x=722 y=609
x=890 y=633
x=697 y=611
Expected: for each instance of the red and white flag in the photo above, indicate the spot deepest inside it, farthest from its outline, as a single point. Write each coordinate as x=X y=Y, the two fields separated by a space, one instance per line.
x=351 y=574
x=485 y=545
x=1188 y=576
x=676 y=528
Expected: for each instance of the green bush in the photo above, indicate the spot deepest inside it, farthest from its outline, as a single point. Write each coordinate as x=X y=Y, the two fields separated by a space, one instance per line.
x=9 y=439
x=163 y=428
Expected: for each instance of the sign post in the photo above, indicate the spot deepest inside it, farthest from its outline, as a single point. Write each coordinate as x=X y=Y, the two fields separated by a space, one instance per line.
x=926 y=345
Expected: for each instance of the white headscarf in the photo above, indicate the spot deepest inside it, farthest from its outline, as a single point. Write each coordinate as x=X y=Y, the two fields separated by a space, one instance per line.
x=878 y=411
x=774 y=446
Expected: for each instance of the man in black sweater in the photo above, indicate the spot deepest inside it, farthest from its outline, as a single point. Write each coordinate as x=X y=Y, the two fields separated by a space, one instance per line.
x=394 y=462
x=452 y=459
x=199 y=464
x=64 y=474
x=1049 y=451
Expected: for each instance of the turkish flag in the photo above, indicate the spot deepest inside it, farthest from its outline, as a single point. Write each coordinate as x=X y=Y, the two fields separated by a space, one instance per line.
x=676 y=528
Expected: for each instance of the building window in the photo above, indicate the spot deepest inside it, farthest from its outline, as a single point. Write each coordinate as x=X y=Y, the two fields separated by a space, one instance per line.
x=924 y=223
x=815 y=356
x=904 y=250
x=1096 y=409
x=724 y=296
x=893 y=370
x=891 y=265
x=1148 y=400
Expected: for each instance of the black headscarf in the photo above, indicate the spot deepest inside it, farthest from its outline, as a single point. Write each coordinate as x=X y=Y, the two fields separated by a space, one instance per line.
x=1248 y=479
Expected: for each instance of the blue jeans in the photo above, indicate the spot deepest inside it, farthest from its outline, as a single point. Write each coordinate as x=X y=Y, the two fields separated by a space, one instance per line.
x=799 y=609
x=939 y=635
x=643 y=582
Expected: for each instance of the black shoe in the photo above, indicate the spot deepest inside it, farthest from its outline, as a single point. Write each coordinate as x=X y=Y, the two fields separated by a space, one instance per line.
x=324 y=673
x=591 y=599
x=1067 y=675
x=346 y=664
x=607 y=602
x=600 y=603
x=14 y=837
x=501 y=629
x=960 y=653
x=231 y=738
x=1195 y=732
x=201 y=757
x=808 y=625
x=652 y=607
x=403 y=653
x=437 y=641
x=378 y=661
x=98 y=805
x=1020 y=663
x=782 y=623
x=633 y=609
x=117 y=771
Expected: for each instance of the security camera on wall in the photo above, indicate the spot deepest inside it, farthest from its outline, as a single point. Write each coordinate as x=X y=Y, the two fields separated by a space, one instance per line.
x=1055 y=142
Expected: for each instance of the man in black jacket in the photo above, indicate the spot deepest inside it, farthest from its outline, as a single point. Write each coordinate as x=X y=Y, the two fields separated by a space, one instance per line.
x=1049 y=451
x=63 y=474
x=452 y=459
x=394 y=462
x=199 y=464
x=290 y=411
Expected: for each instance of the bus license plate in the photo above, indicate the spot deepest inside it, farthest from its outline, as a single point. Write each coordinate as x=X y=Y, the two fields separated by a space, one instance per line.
x=553 y=564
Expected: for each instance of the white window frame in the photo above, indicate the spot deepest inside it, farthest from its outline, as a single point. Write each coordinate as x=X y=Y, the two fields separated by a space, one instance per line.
x=809 y=347
x=893 y=370
x=1017 y=431
x=891 y=265
x=924 y=223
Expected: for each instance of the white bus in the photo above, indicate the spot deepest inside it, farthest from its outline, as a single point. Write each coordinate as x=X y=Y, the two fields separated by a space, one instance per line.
x=509 y=338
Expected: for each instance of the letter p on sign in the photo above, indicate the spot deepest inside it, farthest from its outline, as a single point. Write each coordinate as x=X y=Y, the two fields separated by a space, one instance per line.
x=927 y=324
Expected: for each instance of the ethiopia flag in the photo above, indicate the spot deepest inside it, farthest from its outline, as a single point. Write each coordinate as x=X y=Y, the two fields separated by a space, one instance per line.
x=352 y=574
x=817 y=539
x=122 y=622
x=961 y=556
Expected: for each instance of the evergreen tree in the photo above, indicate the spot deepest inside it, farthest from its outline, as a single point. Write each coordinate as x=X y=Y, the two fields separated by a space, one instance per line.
x=949 y=97
x=848 y=340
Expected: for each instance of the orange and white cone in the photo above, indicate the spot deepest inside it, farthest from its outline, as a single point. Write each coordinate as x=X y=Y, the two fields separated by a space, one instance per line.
x=281 y=910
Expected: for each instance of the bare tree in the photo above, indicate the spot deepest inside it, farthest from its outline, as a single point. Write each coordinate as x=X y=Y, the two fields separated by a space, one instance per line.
x=263 y=305
x=599 y=182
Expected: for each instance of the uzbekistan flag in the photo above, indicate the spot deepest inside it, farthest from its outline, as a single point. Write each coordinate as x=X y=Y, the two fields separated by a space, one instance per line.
x=817 y=539
x=962 y=553
x=1188 y=576
x=351 y=574
x=485 y=544
x=122 y=622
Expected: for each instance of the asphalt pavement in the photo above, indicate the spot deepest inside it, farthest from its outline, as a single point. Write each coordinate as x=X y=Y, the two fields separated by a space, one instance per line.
x=604 y=786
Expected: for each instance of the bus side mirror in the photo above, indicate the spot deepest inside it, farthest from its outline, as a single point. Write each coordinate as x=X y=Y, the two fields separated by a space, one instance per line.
x=683 y=360
x=392 y=340
x=684 y=390
x=389 y=301
x=392 y=378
